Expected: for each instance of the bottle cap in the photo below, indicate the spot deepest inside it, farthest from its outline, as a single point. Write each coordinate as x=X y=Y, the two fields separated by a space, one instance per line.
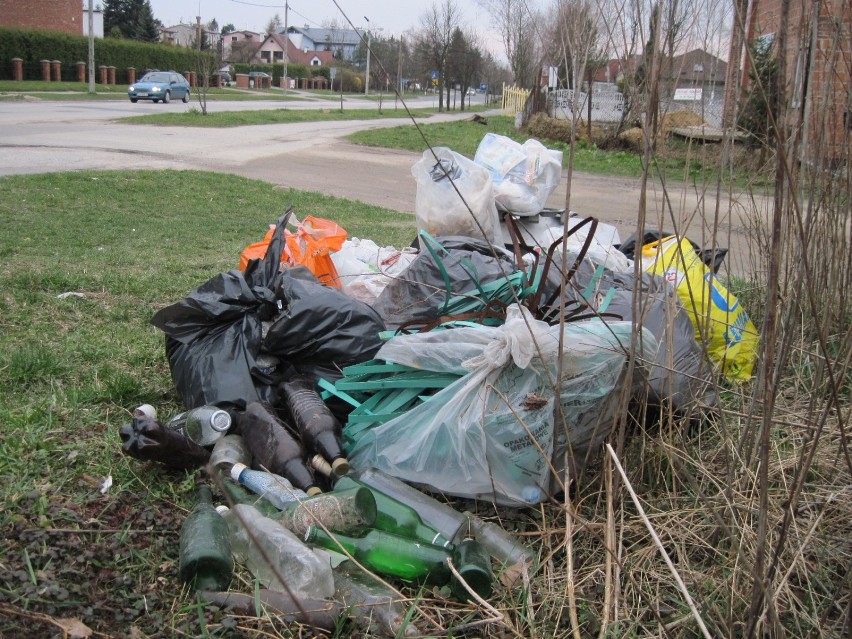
x=340 y=466
x=145 y=410
x=220 y=421
x=237 y=470
x=321 y=466
x=222 y=509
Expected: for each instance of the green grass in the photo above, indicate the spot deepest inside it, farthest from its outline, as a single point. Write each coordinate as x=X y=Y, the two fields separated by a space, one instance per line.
x=38 y=86
x=194 y=117
x=71 y=370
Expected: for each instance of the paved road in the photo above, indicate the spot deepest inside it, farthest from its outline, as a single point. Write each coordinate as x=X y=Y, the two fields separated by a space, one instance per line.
x=47 y=136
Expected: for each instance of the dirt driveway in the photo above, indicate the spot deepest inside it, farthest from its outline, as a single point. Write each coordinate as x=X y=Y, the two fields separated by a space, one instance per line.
x=46 y=137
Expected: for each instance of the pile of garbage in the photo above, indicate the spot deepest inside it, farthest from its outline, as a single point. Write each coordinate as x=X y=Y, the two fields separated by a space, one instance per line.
x=332 y=383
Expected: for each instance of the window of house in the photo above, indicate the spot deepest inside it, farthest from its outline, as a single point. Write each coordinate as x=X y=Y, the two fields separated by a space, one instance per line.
x=278 y=55
x=264 y=55
x=233 y=38
x=698 y=68
x=315 y=62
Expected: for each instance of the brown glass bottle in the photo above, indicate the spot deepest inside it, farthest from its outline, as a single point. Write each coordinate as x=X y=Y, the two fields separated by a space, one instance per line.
x=274 y=448
x=149 y=440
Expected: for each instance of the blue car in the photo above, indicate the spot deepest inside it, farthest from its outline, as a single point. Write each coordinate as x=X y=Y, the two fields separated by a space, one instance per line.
x=159 y=85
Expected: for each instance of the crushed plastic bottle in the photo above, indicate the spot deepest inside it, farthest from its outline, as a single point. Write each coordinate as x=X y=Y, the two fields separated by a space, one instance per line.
x=277 y=490
x=374 y=606
x=284 y=558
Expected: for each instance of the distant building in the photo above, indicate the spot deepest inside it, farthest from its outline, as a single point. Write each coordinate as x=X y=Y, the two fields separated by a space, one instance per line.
x=272 y=50
x=184 y=35
x=340 y=42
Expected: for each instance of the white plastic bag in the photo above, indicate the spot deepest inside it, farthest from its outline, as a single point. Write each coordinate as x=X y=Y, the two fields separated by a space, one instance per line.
x=364 y=268
x=524 y=175
x=491 y=434
x=438 y=208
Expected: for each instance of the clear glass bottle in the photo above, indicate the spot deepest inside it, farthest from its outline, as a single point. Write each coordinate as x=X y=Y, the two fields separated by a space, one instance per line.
x=284 y=557
x=389 y=554
x=205 y=559
x=505 y=547
x=396 y=517
x=229 y=450
x=203 y=425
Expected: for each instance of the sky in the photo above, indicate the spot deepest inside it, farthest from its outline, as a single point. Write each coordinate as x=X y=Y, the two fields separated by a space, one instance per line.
x=394 y=17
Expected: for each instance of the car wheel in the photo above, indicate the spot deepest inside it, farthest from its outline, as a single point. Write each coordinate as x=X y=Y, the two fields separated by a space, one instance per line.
x=186 y=97
x=155 y=101
x=134 y=100
x=167 y=97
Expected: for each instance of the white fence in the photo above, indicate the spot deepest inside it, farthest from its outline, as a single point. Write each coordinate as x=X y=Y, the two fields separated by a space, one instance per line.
x=608 y=106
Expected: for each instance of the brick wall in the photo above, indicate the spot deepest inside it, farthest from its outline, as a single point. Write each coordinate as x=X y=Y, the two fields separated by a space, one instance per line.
x=51 y=15
x=827 y=34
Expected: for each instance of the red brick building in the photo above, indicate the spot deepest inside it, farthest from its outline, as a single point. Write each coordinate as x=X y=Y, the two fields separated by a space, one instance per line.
x=818 y=56
x=51 y=15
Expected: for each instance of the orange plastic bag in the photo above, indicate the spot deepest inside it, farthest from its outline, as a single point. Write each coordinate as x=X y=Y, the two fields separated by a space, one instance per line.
x=312 y=244
x=257 y=251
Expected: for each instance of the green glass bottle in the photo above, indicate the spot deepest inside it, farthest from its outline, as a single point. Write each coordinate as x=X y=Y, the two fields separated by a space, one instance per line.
x=389 y=554
x=205 y=551
x=396 y=517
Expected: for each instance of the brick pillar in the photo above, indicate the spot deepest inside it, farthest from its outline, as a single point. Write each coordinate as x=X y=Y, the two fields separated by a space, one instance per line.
x=56 y=70
x=45 y=70
x=111 y=75
x=81 y=71
x=17 y=69
x=131 y=75
x=217 y=81
x=102 y=74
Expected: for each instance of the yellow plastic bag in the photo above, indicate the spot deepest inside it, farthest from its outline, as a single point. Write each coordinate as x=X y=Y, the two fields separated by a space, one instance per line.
x=717 y=315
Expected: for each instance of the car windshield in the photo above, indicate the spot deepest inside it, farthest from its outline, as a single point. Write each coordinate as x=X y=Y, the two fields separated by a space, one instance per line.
x=156 y=77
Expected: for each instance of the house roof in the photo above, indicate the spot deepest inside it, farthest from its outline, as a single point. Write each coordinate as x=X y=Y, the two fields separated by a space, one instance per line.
x=699 y=66
x=330 y=36
x=295 y=54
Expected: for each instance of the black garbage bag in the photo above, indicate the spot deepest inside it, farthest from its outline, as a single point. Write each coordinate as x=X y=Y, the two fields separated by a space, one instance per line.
x=215 y=335
x=419 y=293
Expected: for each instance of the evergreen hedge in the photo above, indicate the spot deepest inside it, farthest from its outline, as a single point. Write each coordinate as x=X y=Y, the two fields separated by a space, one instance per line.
x=33 y=46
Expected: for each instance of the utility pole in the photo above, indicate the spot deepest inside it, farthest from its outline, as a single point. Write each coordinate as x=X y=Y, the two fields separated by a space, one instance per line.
x=91 y=48
x=286 y=45
x=367 y=77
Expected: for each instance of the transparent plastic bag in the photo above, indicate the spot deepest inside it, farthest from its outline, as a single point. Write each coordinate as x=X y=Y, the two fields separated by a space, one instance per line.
x=524 y=175
x=438 y=208
x=491 y=434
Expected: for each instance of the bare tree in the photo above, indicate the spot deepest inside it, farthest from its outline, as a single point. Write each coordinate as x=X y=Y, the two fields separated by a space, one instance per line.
x=433 y=41
x=518 y=26
x=274 y=25
x=244 y=50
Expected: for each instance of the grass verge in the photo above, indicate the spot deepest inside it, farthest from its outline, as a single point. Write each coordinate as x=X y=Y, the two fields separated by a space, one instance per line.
x=223 y=119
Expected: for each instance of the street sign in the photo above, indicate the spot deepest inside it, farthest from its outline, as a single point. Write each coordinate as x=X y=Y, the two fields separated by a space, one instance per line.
x=435 y=75
x=333 y=72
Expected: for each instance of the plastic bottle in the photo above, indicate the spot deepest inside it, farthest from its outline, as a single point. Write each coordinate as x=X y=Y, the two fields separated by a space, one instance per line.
x=444 y=519
x=273 y=554
x=474 y=565
x=389 y=554
x=205 y=552
x=345 y=511
x=318 y=427
x=394 y=516
x=274 y=448
x=310 y=611
x=150 y=440
x=373 y=604
x=507 y=549
x=275 y=489
x=236 y=494
x=203 y=425
x=229 y=450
